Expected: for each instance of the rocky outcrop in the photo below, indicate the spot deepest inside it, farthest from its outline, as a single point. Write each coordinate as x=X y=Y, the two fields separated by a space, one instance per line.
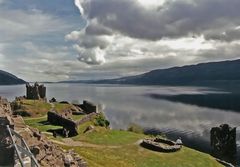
x=161 y=145
x=6 y=153
x=5 y=107
x=46 y=153
x=7 y=150
x=223 y=142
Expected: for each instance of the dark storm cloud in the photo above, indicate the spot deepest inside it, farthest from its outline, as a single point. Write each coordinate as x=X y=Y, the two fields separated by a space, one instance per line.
x=96 y=29
x=173 y=19
x=228 y=35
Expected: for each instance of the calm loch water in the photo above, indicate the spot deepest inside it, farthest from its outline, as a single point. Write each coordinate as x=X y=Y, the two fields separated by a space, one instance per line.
x=130 y=104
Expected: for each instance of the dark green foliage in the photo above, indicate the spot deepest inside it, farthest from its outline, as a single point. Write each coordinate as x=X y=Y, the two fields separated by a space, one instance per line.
x=100 y=120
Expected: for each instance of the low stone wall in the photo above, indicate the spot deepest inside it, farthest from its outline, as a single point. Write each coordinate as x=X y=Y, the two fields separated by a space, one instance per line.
x=86 y=118
x=161 y=145
x=68 y=124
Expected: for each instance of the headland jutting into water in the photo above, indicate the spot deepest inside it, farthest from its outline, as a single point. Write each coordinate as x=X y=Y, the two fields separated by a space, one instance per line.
x=67 y=134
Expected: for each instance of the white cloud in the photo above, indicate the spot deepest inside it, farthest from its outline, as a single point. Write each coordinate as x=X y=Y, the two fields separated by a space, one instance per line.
x=151 y=3
x=16 y=24
x=90 y=56
x=79 y=6
x=138 y=31
x=73 y=36
x=121 y=37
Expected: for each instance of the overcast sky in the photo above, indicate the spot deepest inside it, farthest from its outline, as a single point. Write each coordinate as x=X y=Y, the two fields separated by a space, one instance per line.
x=53 y=40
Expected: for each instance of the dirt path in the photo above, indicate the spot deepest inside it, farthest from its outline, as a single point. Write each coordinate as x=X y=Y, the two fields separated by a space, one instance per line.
x=70 y=142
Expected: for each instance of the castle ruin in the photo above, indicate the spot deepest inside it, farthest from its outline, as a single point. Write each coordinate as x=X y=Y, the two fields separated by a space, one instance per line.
x=35 y=92
x=223 y=142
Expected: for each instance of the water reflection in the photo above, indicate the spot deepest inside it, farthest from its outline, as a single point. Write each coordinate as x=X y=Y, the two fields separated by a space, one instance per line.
x=224 y=101
x=127 y=104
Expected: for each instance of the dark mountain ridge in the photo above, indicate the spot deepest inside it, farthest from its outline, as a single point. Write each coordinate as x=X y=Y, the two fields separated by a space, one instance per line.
x=186 y=75
x=9 y=79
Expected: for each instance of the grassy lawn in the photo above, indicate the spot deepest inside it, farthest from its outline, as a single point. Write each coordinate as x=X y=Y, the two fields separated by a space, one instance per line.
x=59 y=107
x=128 y=153
x=125 y=153
x=136 y=156
x=40 y=123
x=77 y=117
x=36 y=108
x=109 y=137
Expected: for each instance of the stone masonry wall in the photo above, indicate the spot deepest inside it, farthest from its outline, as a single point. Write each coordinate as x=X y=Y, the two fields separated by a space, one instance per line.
x=35 y=92
x=68 y=124
x=89 y=107
x=223 y=142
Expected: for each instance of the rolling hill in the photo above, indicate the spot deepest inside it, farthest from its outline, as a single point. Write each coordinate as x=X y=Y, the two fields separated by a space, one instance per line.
x=9 y=79
x=199 y=74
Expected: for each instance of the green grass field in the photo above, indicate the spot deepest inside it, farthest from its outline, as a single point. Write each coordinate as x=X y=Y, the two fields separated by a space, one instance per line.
x=61 y=107
x=36 y=108
x=136 y=156
x=121 y=148
x=103 y=147
x=40 y=123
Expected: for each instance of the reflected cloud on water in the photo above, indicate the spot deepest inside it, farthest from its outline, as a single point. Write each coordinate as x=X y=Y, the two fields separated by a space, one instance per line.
x=128 y=104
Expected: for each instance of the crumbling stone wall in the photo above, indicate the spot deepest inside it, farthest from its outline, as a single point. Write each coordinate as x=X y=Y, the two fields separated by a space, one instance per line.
x=68 y=124
x=35 y=92
x=89 y=107
x=223 y=142
x=86 y=118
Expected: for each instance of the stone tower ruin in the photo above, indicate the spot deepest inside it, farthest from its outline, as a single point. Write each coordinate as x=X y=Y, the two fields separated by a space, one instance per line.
x=35 y=92
x=223 y=142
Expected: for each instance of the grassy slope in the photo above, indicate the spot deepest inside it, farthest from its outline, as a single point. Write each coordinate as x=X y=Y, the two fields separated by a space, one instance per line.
x=126 y=153
x=40 y=123
x=136 y=156
x=36 y=108
x=62 y=107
